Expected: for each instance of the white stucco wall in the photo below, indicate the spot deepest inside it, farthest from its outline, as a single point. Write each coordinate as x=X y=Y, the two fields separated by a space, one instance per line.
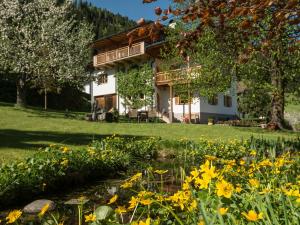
x=219 y=108
x=197 y=106
x=106 y=88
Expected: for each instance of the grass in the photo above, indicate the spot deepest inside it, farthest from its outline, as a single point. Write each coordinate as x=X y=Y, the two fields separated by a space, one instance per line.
x=24 y=131
x=293 y=108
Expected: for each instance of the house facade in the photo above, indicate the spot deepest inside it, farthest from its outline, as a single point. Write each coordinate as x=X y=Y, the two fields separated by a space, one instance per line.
x=113 y=54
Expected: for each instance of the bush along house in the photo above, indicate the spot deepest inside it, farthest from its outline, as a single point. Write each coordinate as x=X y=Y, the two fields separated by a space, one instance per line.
x=113 y=54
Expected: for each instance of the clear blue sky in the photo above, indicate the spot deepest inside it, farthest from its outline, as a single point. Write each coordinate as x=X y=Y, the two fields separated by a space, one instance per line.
x=134 y=9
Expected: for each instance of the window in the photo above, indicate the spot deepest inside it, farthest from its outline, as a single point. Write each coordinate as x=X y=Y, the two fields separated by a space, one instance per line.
x=102 y=79
x=227 y=101
x=180 y=100
x=213 y=100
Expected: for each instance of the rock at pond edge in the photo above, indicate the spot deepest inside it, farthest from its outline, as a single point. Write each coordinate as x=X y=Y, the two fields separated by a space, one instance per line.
x=37 y=205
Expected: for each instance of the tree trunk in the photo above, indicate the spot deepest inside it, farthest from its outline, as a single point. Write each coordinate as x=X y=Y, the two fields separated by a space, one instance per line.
x=21 y=91
x=45 y=99
x=277 y=103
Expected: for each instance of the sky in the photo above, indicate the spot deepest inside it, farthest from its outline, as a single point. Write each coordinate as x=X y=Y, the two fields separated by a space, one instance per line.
x=134 y=9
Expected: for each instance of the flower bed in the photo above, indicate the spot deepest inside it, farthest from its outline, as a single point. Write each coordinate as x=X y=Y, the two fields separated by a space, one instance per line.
x=58 y=167
x=262 y=190
x=237 y=182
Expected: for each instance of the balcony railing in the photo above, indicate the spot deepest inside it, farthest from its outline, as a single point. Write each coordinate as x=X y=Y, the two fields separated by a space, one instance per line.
x=119 y=54
x=178 y=75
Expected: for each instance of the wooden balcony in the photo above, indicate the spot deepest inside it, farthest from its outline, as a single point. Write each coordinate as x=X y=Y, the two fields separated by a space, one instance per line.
x=178 y=75
x=119 y=54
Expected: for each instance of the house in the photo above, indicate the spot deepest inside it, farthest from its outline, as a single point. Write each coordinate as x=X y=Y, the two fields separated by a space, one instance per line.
x=113 y=53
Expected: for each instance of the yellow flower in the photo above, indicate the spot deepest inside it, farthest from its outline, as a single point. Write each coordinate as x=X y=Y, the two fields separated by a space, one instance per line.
x=61 y=223
x=120 y=210
x=113 y=199
x=91 y=151
x=238 y=189
x=224 y=189
x=195 y=173
x=193 y=205
x=160 y=172
x=65 y=149
x=265 y=191
x=136 y=177
x=254 y=183
x=266 y=162
x=252 y=215
x=223 y=211
x=202 y=183
x=253 y=152
x=90 y=218
x=205 y=166
x=147 y=222
x=180 y=198
x=242 y=162
x=64 y=162
x=13 y=216
x=44 y=209
x=146 y=201
x=133 y=202
x=185 y=186
x=201 y=222
x=127 y=184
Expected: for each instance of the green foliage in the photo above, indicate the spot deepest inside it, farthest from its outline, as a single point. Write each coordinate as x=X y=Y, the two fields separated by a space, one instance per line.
x=136 y=147
x=216 y=69
x=52 y=44
x=136 y=86
x=57 y=167
x=103 y=21
x=54 y=168
x=241 y=176
x=255 y=103
x=191 y=153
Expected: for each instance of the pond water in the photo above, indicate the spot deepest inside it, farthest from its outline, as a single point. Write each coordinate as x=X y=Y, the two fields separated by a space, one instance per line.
x=99 y=192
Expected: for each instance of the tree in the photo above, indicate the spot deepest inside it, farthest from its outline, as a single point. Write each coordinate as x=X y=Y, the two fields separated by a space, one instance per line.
x=255 y=103
x=264 y=36
x=43 y=43
x=136 y=86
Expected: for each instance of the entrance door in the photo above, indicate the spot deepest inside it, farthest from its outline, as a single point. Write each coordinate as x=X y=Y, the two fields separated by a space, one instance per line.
x=107 y=102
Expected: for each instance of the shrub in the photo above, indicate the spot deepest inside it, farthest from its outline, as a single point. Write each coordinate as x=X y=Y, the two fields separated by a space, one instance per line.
x=139 y=148
x=57 y=167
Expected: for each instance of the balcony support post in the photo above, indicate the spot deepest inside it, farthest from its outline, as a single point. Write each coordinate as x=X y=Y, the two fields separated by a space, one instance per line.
x=171 y=104
x=189 y=103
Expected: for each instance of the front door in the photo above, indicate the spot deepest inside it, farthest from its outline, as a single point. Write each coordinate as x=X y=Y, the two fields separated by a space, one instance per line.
x=107 y=102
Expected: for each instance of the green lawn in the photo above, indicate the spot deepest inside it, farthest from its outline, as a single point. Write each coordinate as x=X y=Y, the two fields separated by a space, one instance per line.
x=23 y=131
x=293 y=108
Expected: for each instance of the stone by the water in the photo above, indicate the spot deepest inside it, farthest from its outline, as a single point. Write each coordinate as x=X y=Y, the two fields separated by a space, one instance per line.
x=77 y=201
x=36 y=206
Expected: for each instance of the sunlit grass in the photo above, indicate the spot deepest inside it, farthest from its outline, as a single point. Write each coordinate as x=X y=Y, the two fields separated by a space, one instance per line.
x=23 y=131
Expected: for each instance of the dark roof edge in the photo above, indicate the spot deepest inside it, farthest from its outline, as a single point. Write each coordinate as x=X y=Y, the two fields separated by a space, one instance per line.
x=156 y=43
x=120 y=32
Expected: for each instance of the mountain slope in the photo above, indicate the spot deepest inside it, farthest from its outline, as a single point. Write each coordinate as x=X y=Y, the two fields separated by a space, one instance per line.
x=104 y=22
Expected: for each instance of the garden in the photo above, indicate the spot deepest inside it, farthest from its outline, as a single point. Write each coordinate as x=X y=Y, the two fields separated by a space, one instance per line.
x=155 y=181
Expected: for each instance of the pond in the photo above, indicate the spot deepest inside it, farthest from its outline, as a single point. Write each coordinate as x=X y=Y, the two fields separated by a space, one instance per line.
x=99 y=192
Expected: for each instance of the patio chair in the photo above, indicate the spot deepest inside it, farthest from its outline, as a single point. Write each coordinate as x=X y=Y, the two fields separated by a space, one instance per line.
x=152 y=115
x=195 y=118
x=133 y=114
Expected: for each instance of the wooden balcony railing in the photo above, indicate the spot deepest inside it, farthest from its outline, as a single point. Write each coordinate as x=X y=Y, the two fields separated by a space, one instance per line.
x=178 y=75
x=119 y=54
